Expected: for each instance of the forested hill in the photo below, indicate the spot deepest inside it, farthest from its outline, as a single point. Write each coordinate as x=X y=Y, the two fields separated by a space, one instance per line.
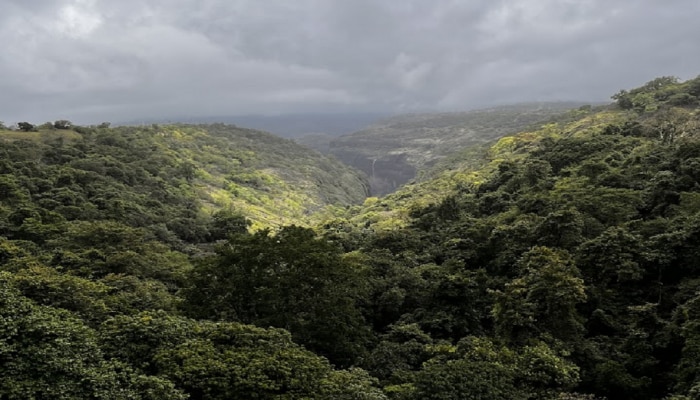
x=99 y=230
x=557 y=263
x=172 y=176
x=572 y=248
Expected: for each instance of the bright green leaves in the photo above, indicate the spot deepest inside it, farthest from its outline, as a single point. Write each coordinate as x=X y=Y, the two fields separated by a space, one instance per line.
x=218 y=368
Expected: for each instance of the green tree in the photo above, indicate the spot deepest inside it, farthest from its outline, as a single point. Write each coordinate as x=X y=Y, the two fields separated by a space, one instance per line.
x=612 y=258
x=26 y=127
x=291 y=280
x=542 y=301
x=228 y=360
x=400 y=353
x=47 y=353
x=62 y=124
x=227 y=222
x=562 y=228
x=46 y=286
x=481 y=369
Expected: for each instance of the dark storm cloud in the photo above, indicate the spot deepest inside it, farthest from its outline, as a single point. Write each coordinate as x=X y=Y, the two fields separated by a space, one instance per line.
x=90 y=60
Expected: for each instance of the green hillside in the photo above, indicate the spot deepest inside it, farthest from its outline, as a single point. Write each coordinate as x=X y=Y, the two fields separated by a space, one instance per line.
x=557 y=263
x=190 y=171
x=99 y=231
x=575 y=243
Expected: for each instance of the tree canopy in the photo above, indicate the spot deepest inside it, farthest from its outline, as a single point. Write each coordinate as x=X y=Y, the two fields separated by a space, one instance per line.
x=213 y=262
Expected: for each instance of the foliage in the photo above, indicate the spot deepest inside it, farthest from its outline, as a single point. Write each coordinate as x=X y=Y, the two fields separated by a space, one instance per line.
x=62 y=124
x=580 y=236
x=228 y=360
x=48 y=353
x=290 y=280
x=152 y=262
x=542 y=300
x=26 y=127
x=481 y=369
x=659 y=93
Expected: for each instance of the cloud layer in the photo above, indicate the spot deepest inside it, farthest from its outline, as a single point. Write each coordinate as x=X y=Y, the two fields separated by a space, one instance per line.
x=92 y=61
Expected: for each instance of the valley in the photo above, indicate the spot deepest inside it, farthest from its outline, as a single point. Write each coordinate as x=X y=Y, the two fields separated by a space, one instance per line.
x=397 y=150
x=538 y=251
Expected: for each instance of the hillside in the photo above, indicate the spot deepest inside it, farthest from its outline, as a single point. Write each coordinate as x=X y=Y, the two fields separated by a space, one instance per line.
x=105 y=173
x=99 y=231
x=576 y=242
x=396 y=150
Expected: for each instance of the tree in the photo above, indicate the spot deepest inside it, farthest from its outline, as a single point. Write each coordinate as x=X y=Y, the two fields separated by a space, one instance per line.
x=623 y=99
x=659 y=83
x=687 y=370
x=226 y=364
x=227 y=222
x=351 y=384
x=228 y=360
x=401 y=352
x=63 y=124
x=612 y=258
x=672 y=123
x=542 y=302
x=47 y=353
x=46 y=286
x=481 y=369
x=291 y=280
x=562 y=228
x=26 y=127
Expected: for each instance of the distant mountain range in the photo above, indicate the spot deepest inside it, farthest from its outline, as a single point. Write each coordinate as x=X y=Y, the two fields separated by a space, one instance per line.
x=395 y=150
x=288 y=125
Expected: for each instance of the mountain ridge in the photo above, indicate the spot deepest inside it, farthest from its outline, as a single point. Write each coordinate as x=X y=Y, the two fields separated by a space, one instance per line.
x=396 y=150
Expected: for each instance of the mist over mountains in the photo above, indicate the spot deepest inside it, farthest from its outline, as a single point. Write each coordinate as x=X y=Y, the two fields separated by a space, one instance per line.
x=288 y=125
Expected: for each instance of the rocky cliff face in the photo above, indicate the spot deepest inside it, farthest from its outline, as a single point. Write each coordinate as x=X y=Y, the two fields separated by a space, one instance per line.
x=385 y=173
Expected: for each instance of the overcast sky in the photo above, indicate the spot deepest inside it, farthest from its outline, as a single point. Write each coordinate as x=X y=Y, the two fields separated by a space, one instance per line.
x=114 y=60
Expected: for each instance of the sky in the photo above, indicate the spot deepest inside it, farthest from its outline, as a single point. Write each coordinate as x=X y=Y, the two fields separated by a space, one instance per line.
x=90 y=61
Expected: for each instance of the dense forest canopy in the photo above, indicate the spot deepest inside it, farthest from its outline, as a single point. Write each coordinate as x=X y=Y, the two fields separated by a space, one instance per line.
x=213 y=262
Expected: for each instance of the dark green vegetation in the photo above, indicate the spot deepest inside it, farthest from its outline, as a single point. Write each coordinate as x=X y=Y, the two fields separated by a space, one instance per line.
x=397 y=150
x=558 y=263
